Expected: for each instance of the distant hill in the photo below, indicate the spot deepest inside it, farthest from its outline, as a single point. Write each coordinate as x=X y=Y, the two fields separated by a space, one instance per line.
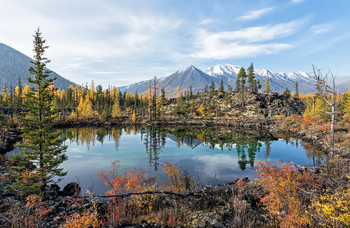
x=14 y=65
x=343 y=86
x=192 y=76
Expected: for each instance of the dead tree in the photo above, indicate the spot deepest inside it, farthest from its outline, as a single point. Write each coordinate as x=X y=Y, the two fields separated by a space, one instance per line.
x=329 y=94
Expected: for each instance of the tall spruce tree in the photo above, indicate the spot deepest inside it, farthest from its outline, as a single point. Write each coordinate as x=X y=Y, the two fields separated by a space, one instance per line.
x=221 y=87
x=212 y=88
x=296 y=94
x=252 y=83
x=42 y=144
x=240 y=85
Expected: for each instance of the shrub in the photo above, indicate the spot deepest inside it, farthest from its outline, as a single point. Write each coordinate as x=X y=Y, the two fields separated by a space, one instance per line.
x=284 y=185
x=333 y=208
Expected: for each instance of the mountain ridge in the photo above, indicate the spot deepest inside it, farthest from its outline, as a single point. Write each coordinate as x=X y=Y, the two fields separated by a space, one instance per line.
x=192 y=76
x=15 y=65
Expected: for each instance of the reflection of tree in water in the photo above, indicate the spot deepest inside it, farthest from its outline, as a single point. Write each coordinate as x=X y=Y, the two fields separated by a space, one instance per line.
x=314 y=155
x=116 y=134
x=154 y=141
x=267 y=149
x=246 y=143
x=89 y=136
x=246 y=151
x=81 y=135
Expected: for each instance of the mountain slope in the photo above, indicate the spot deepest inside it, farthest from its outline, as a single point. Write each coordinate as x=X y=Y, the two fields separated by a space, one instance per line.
x=343 y=86
x=14 y=65
x=279 y=81
x=189 y=76
x=192 y=76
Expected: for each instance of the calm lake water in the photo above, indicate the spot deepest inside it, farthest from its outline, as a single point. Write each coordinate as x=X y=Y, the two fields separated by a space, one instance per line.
x=212 y=155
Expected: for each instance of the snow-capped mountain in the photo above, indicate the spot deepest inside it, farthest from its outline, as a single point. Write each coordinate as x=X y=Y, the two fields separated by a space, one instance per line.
x=192 y=76
x=279 y=80
x=189 y=76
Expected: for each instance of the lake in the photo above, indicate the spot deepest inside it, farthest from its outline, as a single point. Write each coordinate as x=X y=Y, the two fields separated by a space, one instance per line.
x=211 y=155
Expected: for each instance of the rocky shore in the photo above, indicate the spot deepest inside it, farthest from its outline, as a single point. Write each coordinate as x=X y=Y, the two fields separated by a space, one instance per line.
x=213 y=206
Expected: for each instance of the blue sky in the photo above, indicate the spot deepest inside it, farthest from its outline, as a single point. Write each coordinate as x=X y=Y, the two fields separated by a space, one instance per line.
x=120 y=42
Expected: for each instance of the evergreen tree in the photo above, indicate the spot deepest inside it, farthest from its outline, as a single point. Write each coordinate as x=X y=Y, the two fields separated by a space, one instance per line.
x=296 y=90
x=240 y=85
x=252 y=84
x=221 y=87
x=241 y=80
x=267 y=85
x=155 y=99
x=212 y=88
x=162 y=99
x=206 y=88
x=238 y=82
x=286 y=92
x=42 y=144
x=229 y=88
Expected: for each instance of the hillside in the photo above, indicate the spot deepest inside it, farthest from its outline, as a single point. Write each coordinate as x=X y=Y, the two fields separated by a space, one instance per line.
x=14 y=65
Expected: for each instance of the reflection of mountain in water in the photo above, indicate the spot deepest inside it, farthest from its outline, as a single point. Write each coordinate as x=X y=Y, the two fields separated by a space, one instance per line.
x=187 y=141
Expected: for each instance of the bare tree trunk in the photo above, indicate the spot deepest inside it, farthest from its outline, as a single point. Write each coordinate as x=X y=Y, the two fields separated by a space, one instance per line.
x=331 y=144
x=321 y=83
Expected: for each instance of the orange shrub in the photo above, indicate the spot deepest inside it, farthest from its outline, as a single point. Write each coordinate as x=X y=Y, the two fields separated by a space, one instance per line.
x=308 y=120
x=281 y=117
x=283 y=185
x=38 y=210
x=324 y=127
x=121 y=210
x=131 y=181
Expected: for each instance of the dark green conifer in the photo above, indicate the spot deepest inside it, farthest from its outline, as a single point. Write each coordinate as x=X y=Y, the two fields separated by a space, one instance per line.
x=286 y=92
x=296 y=89
x=212 y=88
x=221 y=87
x=41 y=151
x=252 y=84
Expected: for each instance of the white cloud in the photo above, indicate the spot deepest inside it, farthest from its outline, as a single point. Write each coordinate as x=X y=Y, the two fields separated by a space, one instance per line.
x=297 y=1
x=322 y=28
x=256 y=14
x=248 y=42
x=206 y=21
x=79 y=32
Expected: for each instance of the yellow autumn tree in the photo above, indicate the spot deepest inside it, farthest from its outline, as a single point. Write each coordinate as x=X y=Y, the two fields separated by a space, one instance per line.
x=133 y=117
x=26 y=91
x=347 y=106
x=92 y=90
x=201 y=110
x=116 y=109
x=114 y=92
x=18 y=93
x=178 y=93
x=5 y=95
x=85 y=109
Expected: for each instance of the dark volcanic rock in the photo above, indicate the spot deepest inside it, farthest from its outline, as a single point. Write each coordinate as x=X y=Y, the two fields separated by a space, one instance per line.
x=71 y=189
x=8 y=140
